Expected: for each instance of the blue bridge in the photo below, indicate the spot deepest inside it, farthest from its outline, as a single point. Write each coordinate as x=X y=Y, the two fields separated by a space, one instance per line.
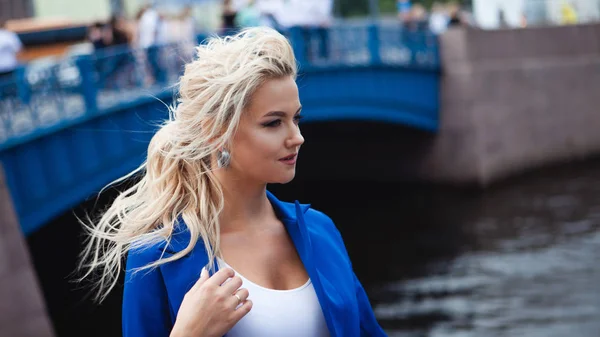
x=67 y=129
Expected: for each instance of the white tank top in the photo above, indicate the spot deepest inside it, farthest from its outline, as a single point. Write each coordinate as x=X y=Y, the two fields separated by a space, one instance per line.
x=276 y=313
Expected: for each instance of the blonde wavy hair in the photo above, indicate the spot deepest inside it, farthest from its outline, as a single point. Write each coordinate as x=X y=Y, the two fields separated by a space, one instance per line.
x=177 y=178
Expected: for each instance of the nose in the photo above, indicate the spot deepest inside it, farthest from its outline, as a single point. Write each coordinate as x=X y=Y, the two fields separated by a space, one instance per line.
x=295 y=139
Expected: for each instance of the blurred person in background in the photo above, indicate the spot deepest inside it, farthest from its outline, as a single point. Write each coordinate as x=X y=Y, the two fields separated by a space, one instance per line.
x=456 y=16
x=119 y=38
x=148 y=25
x=209 y=250
x=186 y=34
x=98 y=35
x=119 y=33
x=228 y=17
x=115 y=32
x=323 y=13
x=113 y=68
x=523 y=22
x=502 y=22
x=166 y=31
x=270 y=12
x=438 y=19
x=568 y=13
x=403 y=7
x=176 y=27
x=187 y=29
x=249 y=16
x=314 y=17
x=147 y=37
x=10 y=46
x=417 y=18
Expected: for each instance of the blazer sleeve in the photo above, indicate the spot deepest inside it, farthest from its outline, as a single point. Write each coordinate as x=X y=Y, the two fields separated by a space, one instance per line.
x=146 y=310
x=368 y=323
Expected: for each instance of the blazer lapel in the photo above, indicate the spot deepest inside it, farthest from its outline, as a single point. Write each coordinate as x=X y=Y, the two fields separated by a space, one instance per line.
x=180 y=275
x=293 y=221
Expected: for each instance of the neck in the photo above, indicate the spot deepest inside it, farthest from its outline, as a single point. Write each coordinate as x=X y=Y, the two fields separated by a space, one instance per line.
x=246 y=204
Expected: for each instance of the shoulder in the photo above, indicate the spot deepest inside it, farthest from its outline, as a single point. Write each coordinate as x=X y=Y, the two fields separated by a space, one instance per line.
x=325 y=237
x=318 y=217
x=315 y=220
x=142 y=252
x=319 y=222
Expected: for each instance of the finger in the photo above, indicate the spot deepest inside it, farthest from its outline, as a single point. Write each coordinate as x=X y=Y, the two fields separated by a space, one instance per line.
x=232 y=285
x=239 y=297
x=203 y=277
x=242 y=311
x=243 y=294
x=221 y=276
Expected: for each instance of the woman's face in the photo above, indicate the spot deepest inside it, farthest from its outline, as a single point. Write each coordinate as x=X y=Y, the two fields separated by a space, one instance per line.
x=266 y=145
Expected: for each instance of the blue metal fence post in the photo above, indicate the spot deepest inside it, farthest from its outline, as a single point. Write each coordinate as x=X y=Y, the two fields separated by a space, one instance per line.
x=374 y=44
x=85 y=64
x=23 y=89
x=299 y=45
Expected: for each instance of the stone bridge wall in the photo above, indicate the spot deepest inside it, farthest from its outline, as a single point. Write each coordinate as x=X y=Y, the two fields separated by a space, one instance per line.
x=22 y=308
x=513 y=100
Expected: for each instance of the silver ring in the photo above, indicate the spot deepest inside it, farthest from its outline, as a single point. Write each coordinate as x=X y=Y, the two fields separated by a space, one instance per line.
x=238 y=297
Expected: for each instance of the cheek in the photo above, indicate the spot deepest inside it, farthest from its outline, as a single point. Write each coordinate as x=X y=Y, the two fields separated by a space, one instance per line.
x=258 y=146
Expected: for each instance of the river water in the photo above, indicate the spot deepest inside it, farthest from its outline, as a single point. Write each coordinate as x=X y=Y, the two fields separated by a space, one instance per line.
x=519 y=259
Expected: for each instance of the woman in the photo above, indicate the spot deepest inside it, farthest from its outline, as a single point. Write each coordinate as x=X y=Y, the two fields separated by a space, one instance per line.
x=201 y=208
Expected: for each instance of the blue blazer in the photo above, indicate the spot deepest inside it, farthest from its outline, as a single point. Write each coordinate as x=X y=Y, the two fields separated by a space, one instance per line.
x=152 y=298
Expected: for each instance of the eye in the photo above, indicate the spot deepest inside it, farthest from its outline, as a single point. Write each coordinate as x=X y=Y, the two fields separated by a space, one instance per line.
x=272 y=124
x=298 y=118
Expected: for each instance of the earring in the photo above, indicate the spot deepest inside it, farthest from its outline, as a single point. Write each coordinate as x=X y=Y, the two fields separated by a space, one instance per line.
x=223 y=159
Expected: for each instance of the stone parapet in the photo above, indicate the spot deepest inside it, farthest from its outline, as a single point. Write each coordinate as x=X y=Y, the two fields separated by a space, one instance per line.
x=22 y=308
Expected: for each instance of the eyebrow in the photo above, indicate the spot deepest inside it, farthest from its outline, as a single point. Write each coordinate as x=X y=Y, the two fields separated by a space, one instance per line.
x=280 y=113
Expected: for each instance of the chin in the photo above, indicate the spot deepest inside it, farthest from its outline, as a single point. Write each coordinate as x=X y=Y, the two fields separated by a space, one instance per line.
x=284 y=179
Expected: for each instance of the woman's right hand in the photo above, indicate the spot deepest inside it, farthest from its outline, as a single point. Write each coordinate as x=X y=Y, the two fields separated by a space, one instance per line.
x=211 y=308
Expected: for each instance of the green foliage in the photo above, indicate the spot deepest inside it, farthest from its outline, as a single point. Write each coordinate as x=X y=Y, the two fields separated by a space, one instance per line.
x=387 y=6
x=352 y=8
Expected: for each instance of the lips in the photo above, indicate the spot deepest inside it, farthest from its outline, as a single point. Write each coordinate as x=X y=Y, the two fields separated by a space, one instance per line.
x=290 y=157
x=289 y=160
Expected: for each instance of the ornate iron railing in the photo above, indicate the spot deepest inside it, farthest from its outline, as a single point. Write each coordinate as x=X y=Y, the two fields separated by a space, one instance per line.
x=42 y=98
